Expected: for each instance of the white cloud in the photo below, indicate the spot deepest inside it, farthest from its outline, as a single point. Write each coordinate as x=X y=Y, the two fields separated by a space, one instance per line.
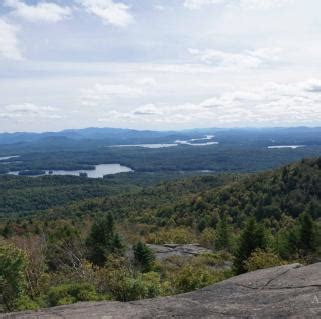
x=148 y=109
x=147 y=81
x=102 y=94
x=198 y=4
x=270 y=105
x=159 y=7
x=263 y=4
x=246 y=59
x=246 y=4
x=40 y=12
x=313 y=85
x=115 y=115
x=28 y=110
x=115 y=13
x=9 y=46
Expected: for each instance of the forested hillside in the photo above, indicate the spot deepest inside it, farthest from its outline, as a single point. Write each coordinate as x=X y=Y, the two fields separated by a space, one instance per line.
x=216 y=158
x=289 y=190
x=96 y=248
x=26 y=195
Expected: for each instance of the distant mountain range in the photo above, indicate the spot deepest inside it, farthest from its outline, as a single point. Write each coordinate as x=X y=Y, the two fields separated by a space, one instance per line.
x=78 y=134
x=110 y=136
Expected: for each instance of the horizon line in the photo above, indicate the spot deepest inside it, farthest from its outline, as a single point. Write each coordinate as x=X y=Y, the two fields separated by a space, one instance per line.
x=164 y=130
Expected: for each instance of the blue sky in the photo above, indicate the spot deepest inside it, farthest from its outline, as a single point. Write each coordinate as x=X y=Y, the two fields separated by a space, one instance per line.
x=152 y=64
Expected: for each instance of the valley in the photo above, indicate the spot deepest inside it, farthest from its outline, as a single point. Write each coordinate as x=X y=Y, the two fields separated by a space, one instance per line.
x=160 y=159
x=179 y=219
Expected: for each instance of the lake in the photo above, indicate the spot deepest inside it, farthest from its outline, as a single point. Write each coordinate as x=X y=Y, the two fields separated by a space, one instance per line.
x=196 y=144
x=99 y=171
x=146 y=145
x=285 y=146
x=198 y=141
x=8 y=157
x=192 y=142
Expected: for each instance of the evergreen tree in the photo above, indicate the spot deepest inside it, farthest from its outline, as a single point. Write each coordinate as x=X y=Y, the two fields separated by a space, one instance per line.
x=222 y=234
x=144 y=256
x=103 y=240
x=201 y=225
x=13 y=283
x=301 y=238
x=252 y=237
x=116 y=245
x=291 y=247
x=306 y=233
x=7 y=230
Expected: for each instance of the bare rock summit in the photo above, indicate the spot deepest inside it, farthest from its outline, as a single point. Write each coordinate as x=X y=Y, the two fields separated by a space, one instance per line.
x=290 y=291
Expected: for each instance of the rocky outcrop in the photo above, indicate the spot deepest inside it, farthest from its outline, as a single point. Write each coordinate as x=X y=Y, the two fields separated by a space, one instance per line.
x=185 y=251
x=291 y=291
x=168 y=250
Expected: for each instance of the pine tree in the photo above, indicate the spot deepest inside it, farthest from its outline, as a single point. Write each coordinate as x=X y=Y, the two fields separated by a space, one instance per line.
x=306 y=233
x=103 y=240
x=116 y=245
x=252 y=237
x=144 y=256
x=7 y=230
x=292 y=243
x=222 y=234
x=201 y=225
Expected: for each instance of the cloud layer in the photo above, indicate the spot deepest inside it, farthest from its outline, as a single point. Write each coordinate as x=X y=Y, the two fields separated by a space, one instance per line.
x=294 y=104
x=246 y=59
x=247 y=4
x=198 y=4
x=110 y=12
x=159 y=64
x=40 y=12
x=27 y=111
x=9 y=44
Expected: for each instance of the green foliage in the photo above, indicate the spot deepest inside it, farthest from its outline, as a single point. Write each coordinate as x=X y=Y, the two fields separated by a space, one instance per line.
x=70 y=195
x=26 y=303
x=103 y=240
x=143 y=286
x=306 y=233
x=213 y=260
x=201 y=225
x=286 y=191
x=192 y=277
x=13 y=284
x=82 y=257
x=123 y=286
x=7 y=231
x=299 y=241
x=64 y=246
x=71 y=293
x=208 y=238
x=144 y=256
x=252 y=238
x=223 y=240
x=261 y=259
x=177 y=235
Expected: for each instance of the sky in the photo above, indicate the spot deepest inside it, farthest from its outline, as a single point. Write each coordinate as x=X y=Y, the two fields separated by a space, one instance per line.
x=152 y=64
